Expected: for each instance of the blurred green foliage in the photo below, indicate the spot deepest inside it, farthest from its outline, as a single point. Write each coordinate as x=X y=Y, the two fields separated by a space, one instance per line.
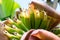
x=7 y=8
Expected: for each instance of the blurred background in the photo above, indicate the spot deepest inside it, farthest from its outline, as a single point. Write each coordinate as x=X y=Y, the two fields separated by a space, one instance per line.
x=54 y=3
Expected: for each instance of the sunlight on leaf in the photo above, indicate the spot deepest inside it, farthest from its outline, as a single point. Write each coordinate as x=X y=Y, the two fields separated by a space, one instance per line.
x=7 y=8
x=14 y=8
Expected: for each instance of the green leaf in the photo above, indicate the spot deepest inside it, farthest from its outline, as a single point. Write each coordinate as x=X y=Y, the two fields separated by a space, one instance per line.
x=14 y=8
x=1 y=13
x=16 y=5
x=7 y=8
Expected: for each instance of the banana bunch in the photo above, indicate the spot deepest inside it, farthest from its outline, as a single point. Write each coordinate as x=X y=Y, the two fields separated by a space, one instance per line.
x=34 y=19
x=28 y=19
x=12 y=32
x=14 y=29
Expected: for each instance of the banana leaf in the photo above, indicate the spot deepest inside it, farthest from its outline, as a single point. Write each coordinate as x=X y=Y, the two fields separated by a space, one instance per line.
x=7 y=8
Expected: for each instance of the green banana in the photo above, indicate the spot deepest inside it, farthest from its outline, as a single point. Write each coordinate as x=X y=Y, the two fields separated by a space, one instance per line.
x=22 y=15
x=10 y=36
x=46 y=22
x=18 y=30
x=17 y=23
x=8 y=22
x=32 y=18
x=12 y=30
x=56 y=31
x=27 y=20
x=39 y=16
x=17 y=34
x=20 y=25
x=58 y=35
x=52 y=23
x=37 y=19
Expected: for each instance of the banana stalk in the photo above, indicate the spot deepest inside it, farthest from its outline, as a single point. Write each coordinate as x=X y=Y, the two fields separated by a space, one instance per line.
x=12 y=30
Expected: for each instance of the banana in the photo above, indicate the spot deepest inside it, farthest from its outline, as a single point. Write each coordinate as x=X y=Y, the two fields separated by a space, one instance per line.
x=8 y=22
x=12 y=30
x=20 y=25
x=17 y=34
x=18 y=30
x=38 y=18
x=48 y=22
x=32 y=18
x=22 y=15
x=44 y=23
x=10 y=36
x=27 y=20
x=17 y=23
x=56 y=31
x=52 y=24
x=58 y=35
